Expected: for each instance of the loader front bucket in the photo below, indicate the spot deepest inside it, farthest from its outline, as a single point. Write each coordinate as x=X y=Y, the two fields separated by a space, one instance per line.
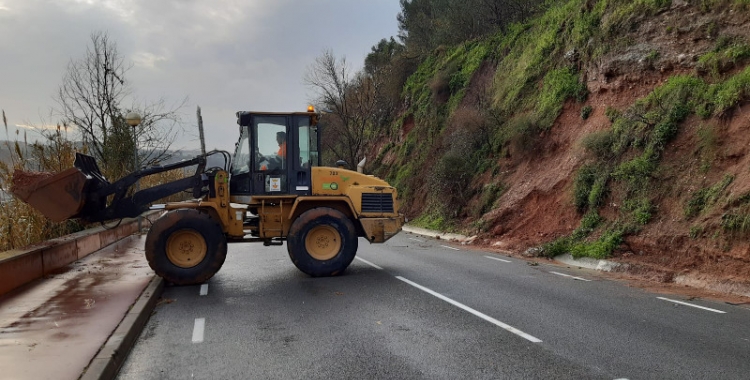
x=63 y=195
x=57 y=196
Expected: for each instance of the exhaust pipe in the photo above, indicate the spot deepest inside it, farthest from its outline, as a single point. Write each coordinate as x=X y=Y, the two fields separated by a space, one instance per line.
x=361 y=165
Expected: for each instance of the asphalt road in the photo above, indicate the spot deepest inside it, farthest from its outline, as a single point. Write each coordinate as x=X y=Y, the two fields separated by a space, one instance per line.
x=418 y=308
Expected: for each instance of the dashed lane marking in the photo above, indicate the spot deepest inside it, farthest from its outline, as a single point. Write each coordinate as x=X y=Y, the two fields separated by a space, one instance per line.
x=495 y=258
x=445 y=246
x=415 y=239
x=692 y=305
x=368 y=263
x=573 y=277
x=198 y=328
x=204 y=289
x=472 y=311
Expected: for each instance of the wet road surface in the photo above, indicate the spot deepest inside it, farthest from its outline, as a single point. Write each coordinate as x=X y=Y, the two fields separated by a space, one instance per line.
x=416 y=308
x=53 y=327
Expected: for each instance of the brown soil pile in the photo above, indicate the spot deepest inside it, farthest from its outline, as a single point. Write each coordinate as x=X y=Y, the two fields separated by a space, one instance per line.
x=25 y=181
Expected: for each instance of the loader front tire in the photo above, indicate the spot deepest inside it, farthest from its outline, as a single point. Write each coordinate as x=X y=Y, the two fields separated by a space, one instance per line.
x=322 y=242
x=186 y=247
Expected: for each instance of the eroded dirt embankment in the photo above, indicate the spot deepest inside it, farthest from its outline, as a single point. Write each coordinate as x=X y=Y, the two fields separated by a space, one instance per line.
x=538 y=204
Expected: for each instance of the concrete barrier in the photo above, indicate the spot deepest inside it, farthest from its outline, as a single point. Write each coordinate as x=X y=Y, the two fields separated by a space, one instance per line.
x=21 y=266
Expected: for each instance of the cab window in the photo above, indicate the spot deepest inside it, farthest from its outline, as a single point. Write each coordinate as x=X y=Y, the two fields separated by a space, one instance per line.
x=241 y=159
x=270 y=143
x=308 y=143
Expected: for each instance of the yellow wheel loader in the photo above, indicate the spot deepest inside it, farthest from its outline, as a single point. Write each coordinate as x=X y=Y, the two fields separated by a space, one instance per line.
x=271 y=190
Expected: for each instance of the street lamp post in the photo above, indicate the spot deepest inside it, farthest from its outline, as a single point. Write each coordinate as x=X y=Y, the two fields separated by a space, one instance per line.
x=133 y=119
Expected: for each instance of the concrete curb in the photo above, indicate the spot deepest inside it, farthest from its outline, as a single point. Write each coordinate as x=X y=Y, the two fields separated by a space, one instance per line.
x=106 y=364
x=692 y=280
x=434 y=234
x=21 y=266
x=589 y=263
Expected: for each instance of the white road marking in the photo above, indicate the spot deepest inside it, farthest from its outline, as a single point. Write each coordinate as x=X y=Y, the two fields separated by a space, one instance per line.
x=567 y=275
x=198 y=328
x=445 y=246
x=368 y=263
x=415 y=239
x=495 y=258
x=692 y=305
x=472 y=311
x=204 y=289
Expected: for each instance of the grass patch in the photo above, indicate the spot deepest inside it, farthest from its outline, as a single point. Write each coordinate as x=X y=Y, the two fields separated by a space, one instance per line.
x=706 y=197
x=736 y=222
x=577 y=245
x=558 y=86
x=490 y=194
x=695 y=232
x=557 y=247
x=707 y=145
x=590 y=187
x=600 y=248
x=433 y=220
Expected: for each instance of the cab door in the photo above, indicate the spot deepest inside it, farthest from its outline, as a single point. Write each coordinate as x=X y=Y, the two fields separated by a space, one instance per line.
x=271 y=163
x=305 y=154
x=241 y=183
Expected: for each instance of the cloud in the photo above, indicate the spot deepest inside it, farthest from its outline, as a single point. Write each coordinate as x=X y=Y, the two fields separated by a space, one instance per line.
x=224 y=55
x=147 y=60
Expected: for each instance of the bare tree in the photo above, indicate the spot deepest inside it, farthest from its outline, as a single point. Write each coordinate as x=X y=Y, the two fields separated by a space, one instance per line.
x=91 y=101
x=350 y=101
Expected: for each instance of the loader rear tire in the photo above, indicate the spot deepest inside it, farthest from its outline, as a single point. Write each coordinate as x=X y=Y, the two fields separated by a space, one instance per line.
x=186 y=247
x=322 y=242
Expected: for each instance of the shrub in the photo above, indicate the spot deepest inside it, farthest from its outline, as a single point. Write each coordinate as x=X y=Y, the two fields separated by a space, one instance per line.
x=449 y=182
x=600 y=144
x=695 y=232
x=520 y=133
x=432 y=219
x=590 y=187
x=612 y=114
x=636 y=172
x=730 y=93
x=490 y=193
x=589 y=223
x=643 y=211
x=440 y=87
x=728 y=52
x=586 y=112
x=557 y=247
x=599 y=249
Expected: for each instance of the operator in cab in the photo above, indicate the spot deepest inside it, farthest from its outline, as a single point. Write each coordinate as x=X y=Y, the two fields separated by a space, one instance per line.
x=281 y=139
x=278 y=161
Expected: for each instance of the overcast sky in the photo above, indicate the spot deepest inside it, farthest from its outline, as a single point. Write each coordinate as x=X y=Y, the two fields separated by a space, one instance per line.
x=223 y=55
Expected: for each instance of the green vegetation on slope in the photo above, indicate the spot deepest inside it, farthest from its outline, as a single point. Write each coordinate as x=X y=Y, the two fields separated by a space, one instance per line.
x=627 y=156
x=536 y=64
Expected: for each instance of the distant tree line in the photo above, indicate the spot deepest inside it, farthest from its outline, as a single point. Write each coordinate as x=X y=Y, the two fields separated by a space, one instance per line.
x=427 y=24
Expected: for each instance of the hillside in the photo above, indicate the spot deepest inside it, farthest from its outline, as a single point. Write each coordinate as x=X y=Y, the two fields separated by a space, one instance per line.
x=601 y=128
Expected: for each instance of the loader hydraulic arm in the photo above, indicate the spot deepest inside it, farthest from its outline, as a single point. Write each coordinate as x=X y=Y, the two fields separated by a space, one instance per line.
x=124 y=205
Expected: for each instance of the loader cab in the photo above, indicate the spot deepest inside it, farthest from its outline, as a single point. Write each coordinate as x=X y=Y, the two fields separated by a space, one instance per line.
x=274 y=154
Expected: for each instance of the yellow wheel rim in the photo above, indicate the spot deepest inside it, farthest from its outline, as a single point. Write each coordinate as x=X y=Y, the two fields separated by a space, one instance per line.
x=186 y=248
x=323 y=243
